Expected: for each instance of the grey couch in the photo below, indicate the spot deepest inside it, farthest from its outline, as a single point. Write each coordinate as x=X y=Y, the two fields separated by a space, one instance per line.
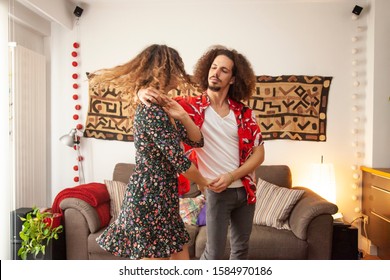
x=310 y=236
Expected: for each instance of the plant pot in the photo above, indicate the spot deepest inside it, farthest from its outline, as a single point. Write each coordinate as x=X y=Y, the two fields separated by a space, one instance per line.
x=40 y=256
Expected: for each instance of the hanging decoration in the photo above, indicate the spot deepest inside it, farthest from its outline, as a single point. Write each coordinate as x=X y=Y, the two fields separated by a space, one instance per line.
x=75 y=54
x=357 y=96
x=76 y=116
x=289 y=107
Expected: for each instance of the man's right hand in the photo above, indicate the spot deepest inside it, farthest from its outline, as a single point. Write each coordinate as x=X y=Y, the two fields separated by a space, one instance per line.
x=149 y=95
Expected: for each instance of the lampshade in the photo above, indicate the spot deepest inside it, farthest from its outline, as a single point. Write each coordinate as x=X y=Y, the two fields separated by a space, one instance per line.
x=69 y=139
x=322 y=180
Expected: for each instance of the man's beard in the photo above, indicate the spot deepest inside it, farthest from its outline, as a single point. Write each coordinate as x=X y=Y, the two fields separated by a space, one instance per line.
x=214 y=88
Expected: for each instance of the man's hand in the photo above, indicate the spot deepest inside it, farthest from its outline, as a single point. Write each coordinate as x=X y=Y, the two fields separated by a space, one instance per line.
x=172 y=108
x=149 y=95
x=221 y=183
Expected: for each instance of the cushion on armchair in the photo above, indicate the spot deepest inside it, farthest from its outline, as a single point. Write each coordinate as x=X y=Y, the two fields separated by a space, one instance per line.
x=274 y=204
x=116 y=189
x=190 y=208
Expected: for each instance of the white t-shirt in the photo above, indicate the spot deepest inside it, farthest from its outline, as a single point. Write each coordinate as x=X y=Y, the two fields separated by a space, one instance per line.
x=220 y=153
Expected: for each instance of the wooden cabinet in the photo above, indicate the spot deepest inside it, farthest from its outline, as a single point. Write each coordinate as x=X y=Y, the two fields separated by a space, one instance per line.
x=376 y=205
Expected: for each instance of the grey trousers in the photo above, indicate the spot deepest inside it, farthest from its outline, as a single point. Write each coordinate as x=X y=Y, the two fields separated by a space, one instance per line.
x=223 y=209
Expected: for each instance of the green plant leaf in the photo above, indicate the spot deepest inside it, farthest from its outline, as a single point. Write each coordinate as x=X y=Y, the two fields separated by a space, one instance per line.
x=36 y=234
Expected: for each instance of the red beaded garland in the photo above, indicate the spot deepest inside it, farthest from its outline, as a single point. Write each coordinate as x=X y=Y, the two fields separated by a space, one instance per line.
x=75 y=96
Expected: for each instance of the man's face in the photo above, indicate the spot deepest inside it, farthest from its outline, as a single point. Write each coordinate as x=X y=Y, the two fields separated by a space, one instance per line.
x=220 y=73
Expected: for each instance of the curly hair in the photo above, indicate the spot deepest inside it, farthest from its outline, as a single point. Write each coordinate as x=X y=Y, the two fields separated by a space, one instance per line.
x=245 y=80
x=157 y=66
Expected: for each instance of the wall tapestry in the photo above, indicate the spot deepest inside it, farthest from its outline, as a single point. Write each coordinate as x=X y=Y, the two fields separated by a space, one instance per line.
x=291 y=107
x=110 y=114
x=286 y=107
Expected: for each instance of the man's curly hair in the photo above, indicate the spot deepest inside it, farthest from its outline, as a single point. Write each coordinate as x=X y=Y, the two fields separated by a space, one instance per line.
x=156 y=66
x=245 y=79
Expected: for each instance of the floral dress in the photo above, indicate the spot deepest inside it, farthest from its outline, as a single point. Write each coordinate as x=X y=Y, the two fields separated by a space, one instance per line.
x=149 y=224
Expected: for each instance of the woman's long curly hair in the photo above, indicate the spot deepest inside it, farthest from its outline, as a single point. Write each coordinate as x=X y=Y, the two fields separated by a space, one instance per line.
x=245 y=80
x=157 y=66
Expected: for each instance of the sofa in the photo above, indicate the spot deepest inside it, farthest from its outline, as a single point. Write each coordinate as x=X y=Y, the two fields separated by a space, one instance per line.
x=309 y=235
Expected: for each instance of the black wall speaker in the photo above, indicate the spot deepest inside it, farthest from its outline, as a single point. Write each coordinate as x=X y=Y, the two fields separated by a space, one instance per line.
x=16 y=227
x=345 y=242
x=357 y=10
x=78 y=11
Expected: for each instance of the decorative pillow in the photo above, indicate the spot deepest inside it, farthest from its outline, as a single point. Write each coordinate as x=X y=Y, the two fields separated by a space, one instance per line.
x=190 y=208
x=116 y=189
x=274 y=204
x=201 y=221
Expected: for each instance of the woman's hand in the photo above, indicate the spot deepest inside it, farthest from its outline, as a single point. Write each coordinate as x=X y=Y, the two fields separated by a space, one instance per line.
x=149 y=95
x=205 y=186
x=221 y=183
x=172 y=108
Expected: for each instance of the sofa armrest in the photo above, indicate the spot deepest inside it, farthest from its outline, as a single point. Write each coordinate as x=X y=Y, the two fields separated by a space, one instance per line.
x=80 y=220
x=310 y=206
x=87 y=211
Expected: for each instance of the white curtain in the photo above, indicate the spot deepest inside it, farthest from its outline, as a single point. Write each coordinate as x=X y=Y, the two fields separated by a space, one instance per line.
x=29 y=126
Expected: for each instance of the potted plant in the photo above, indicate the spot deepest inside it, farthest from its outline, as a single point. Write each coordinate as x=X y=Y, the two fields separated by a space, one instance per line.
x=38 y=229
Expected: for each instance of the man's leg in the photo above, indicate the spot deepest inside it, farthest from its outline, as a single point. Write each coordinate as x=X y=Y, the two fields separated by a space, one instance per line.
x=217 y=222
x=241 y=227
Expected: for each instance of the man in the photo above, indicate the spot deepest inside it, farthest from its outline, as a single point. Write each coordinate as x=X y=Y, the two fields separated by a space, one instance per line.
x=233 y=147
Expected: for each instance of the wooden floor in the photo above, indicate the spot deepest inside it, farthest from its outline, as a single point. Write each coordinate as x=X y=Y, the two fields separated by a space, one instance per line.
x=369 y=257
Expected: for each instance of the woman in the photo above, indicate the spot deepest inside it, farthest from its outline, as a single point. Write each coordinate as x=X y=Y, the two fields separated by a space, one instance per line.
x=149 y=225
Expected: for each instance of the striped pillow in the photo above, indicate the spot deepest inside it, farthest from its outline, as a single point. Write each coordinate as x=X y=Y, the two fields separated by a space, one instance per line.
x=116 y=190
x=274 y=204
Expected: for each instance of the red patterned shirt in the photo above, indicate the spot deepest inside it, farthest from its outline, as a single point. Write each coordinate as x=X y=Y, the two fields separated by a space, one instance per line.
x=249 y=133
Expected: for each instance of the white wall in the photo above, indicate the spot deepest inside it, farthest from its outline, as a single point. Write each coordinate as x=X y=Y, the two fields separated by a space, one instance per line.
x=279 y=38
x=380 y=91
x=5 y=178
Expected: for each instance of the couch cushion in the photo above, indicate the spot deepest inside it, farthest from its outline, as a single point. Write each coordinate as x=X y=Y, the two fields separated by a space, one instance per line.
x=193 y=232
x=95 y=252
x=190 y=208
x=279 y=175
x=116 y=189
x=274 y=204
x=268 y=243
x=201 y=221
x=193 y=192
x=122 y=172
x=265 y=243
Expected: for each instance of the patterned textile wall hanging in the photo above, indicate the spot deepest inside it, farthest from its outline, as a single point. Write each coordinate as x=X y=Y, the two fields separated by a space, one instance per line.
x=110 y=114
x=291 y=107
x=286 y=107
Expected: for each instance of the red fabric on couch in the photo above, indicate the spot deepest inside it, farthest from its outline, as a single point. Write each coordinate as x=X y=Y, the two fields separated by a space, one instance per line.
x=95 y=194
